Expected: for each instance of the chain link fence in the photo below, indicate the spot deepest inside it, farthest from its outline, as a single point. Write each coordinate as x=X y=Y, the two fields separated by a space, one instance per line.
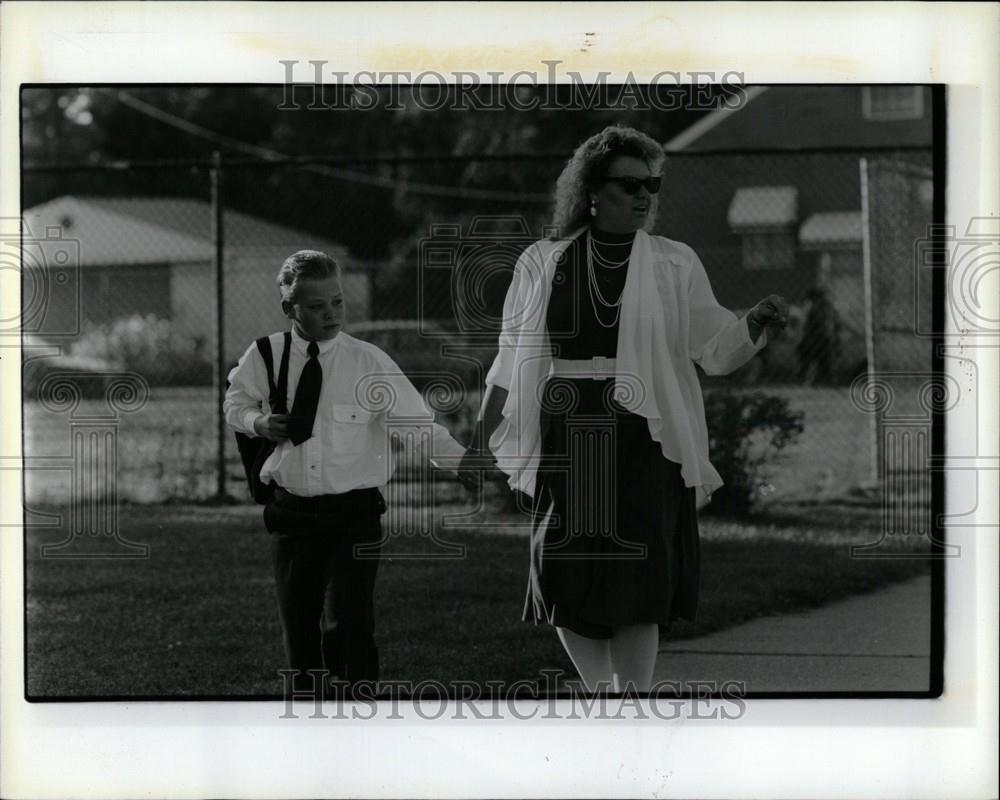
x=792 y=224
x=152 y=246
x=902 y=394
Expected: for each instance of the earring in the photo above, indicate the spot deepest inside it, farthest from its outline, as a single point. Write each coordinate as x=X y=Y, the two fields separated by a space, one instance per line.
x=593 y=208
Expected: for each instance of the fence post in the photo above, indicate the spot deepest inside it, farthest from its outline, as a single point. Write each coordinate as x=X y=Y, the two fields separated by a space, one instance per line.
x=219 y=238
x=875 y=450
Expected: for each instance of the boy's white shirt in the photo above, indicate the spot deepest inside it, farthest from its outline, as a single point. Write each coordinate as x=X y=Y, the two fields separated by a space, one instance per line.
x=670 y=320
x=364 y=396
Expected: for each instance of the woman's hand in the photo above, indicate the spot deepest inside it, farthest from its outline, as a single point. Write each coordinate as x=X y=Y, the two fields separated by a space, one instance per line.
x=478 y=459
x=771 y=312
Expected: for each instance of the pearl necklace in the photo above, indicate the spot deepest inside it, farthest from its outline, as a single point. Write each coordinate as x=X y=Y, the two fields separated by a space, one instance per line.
x=595 y=291
x=606 y=262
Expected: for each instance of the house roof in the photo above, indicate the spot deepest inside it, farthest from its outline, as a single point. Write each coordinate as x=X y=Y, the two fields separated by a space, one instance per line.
x=155 y=230
x=832 y=227
x=763 y=207
x=107 y=236
x=699 y=129
x=802 y=116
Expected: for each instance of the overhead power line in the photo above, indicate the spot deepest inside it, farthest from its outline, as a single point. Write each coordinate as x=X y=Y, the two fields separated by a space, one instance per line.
x=353 y=176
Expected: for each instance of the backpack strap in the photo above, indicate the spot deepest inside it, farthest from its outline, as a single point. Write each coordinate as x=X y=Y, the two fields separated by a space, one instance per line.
x=279 y=406
x=277 y=395
x=264 y=347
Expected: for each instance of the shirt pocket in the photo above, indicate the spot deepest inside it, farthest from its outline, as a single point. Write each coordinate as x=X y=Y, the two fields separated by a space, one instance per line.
x=348 y=432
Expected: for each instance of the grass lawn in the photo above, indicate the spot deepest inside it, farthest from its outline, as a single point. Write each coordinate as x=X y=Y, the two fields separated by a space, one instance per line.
x=198 y=617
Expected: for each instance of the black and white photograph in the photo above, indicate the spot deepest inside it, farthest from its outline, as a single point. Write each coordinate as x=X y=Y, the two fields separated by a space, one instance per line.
x=682 y=476
x=532 y=399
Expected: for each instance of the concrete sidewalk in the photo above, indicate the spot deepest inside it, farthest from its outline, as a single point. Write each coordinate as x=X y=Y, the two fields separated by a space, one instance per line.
x=877 y=642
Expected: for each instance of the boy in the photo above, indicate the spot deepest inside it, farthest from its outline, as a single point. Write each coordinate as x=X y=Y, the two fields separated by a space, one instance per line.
x=332 y=456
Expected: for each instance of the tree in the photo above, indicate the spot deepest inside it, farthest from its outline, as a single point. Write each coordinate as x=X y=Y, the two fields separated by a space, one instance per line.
x=375 y=209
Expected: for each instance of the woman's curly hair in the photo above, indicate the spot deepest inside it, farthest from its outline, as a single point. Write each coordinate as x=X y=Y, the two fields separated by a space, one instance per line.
x=589 y=162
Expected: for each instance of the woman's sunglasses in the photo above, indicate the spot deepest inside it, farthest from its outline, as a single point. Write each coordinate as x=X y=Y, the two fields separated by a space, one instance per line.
x=631 y=184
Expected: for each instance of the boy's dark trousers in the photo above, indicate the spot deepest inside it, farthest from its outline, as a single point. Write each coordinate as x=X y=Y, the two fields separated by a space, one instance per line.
x=325 y=552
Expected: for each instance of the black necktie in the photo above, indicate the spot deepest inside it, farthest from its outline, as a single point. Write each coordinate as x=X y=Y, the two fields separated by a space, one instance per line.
x=300 y=425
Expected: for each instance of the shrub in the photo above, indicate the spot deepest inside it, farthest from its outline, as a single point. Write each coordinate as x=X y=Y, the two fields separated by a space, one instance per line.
x=147 y=345
x=746 y=431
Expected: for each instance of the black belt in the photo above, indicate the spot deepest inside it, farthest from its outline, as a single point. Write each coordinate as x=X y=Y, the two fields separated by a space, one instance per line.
x=290 y=513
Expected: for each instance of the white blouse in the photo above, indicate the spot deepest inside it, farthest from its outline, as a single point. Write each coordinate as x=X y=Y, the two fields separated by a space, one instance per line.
x=670 y=321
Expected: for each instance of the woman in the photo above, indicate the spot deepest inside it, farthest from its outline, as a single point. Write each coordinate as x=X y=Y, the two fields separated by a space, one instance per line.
x=593 y=408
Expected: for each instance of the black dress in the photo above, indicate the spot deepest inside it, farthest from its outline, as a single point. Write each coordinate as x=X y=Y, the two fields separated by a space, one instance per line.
x=615 y=532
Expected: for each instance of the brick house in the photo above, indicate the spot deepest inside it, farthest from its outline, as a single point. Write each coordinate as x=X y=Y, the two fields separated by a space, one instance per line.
x=764 y=216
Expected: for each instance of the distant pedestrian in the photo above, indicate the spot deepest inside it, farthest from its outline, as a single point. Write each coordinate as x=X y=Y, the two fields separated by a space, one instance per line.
x=817 y=349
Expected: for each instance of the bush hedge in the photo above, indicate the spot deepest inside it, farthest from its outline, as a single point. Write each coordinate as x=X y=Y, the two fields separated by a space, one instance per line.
x=149 y=346
x=746 y=430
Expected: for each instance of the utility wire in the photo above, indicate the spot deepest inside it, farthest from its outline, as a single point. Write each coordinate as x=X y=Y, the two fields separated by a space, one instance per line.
x=352 y=176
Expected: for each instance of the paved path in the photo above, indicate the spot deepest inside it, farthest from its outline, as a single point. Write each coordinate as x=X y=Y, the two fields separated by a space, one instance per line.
x=877 y=642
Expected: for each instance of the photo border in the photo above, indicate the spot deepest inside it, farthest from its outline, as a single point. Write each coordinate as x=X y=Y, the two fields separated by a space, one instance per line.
x=921 y=748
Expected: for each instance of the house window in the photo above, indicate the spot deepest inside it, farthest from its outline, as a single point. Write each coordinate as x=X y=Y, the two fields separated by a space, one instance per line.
x=764 y=217
x=882 y=103
x=768 y=250
x=113 y=292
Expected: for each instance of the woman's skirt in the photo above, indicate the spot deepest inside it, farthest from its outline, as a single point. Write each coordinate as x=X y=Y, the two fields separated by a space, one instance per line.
x=614 y=530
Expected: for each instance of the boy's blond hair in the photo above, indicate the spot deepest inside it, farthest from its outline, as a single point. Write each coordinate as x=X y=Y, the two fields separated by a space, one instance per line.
x=307 y=264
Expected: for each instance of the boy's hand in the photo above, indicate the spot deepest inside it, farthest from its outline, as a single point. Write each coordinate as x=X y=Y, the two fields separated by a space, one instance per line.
x=472 y=466
x=273 y=427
